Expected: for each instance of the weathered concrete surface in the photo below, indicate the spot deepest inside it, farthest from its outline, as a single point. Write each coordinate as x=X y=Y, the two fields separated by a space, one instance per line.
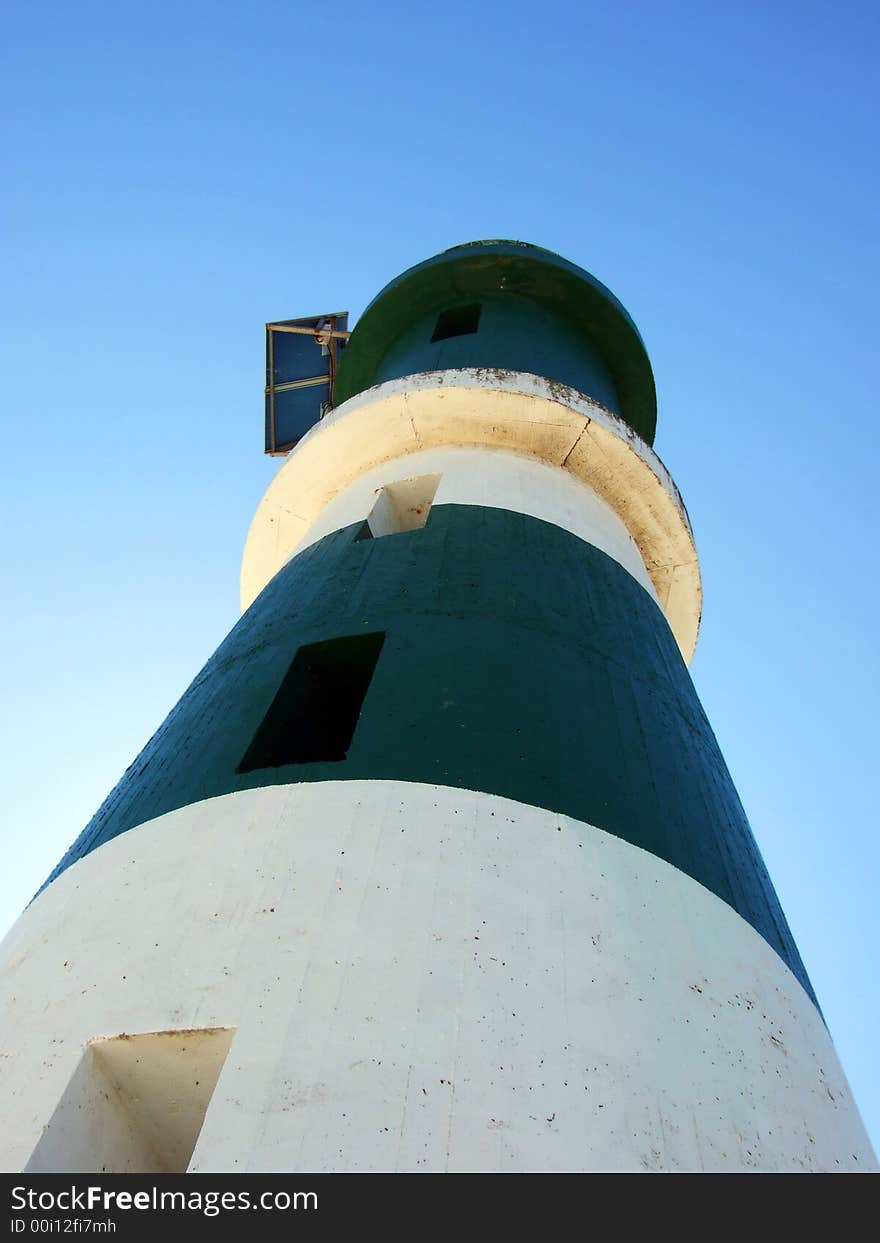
x=426 y=979
x=490 y=409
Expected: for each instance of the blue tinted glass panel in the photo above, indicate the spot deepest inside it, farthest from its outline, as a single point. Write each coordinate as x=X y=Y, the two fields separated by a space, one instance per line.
x=297 y=357
x=296 y=411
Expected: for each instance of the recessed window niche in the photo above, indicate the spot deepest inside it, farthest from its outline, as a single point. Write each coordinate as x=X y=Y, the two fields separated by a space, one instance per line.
x=135 y=1104
x=399 y=507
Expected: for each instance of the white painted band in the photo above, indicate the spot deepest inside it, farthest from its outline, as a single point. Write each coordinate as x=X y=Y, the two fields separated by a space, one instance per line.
x=423 y=978
x=494 y=409
x=494 y=478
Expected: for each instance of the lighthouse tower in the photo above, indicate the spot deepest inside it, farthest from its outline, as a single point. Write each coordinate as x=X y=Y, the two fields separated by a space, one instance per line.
x=436 y=865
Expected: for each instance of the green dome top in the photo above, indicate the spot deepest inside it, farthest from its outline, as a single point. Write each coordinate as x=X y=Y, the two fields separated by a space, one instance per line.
x=534 y=312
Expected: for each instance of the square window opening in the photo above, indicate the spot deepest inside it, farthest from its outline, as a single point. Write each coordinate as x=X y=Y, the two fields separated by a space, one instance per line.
x=458 y=321
x=316 y=708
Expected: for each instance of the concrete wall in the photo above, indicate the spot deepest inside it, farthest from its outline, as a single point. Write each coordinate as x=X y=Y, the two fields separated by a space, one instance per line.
x=426 y=979
x=497 y=479
x=485 y=409
x=521 y=925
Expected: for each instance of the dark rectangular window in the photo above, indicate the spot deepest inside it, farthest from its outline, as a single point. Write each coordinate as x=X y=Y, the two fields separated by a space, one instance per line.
x=457 y=322
x=314 y=714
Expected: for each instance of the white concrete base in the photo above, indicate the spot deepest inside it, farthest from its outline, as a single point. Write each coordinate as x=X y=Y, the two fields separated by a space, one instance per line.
x=425 y=979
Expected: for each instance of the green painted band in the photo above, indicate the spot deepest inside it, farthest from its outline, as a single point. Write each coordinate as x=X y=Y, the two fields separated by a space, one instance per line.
x=518 y=660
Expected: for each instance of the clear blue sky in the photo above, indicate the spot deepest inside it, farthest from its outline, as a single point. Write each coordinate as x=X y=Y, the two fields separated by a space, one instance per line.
x=175 y=175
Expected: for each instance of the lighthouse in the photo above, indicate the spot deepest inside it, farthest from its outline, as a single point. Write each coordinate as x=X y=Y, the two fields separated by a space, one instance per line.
x=436 y=865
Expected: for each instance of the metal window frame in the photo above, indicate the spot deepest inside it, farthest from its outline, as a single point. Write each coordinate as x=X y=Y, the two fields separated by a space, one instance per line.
x=325 y=331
